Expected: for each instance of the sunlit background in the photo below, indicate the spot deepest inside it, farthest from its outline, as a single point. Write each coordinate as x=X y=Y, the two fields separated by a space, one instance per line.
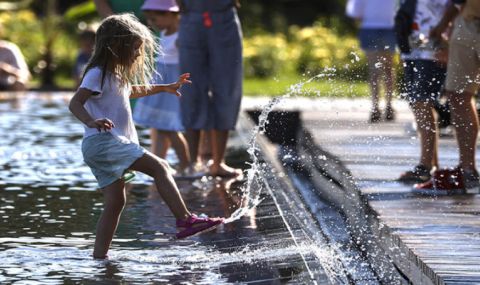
x=284 y=41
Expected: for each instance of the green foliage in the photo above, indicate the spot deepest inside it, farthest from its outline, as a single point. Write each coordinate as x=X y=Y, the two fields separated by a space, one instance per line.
x=299 y=51
x=322 y=48
x=309 y=50
x=34 y=35
x=81 y=12
x=23 y=29
x=264 y=55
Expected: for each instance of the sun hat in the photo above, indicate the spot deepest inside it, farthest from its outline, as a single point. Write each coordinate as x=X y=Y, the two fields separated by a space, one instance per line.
x=161 y=5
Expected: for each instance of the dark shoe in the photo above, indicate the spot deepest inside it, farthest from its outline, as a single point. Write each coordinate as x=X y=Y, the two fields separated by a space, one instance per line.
x=443 y=182
x=375 y=116
x=389 y=114
x=471 y=179
x=420 y=173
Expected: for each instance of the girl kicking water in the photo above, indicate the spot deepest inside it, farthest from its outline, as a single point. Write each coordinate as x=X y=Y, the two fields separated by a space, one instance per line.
x=120 y=68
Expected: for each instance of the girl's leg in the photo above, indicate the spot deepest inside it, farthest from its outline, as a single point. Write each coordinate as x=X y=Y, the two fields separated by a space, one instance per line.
x=115 y=198
x=179 y=144
x=160 y=171
x=160 y=143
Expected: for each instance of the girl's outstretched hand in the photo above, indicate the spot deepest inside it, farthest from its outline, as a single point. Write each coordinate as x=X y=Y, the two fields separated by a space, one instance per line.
x=174 y=87
x=101 y=124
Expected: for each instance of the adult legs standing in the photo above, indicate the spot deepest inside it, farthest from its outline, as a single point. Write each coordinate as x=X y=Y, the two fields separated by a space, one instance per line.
x=423 y=81
x=427 y=129
x=380 y=69
x=212 y=53
x=465 y=121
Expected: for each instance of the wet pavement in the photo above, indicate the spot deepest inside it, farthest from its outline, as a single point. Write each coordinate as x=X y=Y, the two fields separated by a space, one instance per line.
x=430 y=239
x=49 y=206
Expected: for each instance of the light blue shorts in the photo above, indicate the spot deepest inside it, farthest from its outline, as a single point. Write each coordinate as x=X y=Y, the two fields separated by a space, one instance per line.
x=108 y=157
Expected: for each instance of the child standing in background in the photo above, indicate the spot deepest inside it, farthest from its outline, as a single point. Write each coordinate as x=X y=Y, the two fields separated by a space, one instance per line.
x=123 y=55
x=162 y=113
x=87 y=43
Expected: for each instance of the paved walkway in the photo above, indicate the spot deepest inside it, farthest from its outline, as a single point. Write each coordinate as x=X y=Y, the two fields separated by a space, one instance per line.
x=432 y=240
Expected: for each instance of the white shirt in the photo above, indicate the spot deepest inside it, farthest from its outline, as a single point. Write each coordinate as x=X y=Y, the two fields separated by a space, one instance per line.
x=112 y=102
x=374 y=14
x=170 y=49
x=427 y=15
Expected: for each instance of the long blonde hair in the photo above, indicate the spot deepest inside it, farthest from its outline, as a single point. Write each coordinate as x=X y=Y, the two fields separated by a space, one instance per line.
x=114 y=50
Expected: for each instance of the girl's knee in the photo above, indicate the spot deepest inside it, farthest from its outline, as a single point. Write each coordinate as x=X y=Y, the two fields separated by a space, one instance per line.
x=114 y=196
x=162 y=167
x=115 y=204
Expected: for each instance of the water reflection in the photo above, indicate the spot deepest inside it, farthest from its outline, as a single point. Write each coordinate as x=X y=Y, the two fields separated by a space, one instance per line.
x=49 y=206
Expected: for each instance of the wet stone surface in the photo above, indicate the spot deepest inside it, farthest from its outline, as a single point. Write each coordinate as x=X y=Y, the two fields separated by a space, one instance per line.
x=49 y=206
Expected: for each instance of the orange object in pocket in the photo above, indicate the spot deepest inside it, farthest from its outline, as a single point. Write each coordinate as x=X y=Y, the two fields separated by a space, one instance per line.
x=207 y=21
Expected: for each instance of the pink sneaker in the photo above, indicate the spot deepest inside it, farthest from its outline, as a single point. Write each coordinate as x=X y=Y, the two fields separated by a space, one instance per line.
x=194 y=225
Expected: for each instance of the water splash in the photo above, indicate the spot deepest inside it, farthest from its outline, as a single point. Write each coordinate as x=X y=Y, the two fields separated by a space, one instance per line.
x=254 y=185
x=38 y=262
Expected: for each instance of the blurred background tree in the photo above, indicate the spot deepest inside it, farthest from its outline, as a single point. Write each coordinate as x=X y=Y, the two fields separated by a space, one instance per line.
x=281 y=37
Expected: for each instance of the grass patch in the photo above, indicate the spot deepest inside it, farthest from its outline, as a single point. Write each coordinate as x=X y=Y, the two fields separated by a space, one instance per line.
x=316 y=88
x=271 y=87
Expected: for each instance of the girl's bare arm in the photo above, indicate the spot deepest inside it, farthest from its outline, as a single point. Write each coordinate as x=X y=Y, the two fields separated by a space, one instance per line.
x=77 y=108
x=141 y=90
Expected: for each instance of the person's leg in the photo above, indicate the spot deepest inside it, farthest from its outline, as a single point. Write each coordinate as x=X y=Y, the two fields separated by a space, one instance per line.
x=205 y=149
x=166 y=186
x=195 y=101
x=226 y=69
x=421 y=86
x=219 y=145
x=160 y=143
x=114 y=201
x=465 y=121
x=193 y=141
x=428 y=133
x=179 y=144
x=373 y=78
x=389 y=78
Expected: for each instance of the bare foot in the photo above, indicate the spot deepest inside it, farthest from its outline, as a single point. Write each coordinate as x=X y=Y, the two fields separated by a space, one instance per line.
x=224 y=170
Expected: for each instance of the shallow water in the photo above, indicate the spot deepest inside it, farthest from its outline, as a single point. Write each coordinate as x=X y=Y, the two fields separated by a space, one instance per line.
x=49 y=206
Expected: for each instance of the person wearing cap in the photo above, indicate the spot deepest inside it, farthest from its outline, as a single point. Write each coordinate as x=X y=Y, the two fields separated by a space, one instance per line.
x=162 y=113
x=210 y=49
